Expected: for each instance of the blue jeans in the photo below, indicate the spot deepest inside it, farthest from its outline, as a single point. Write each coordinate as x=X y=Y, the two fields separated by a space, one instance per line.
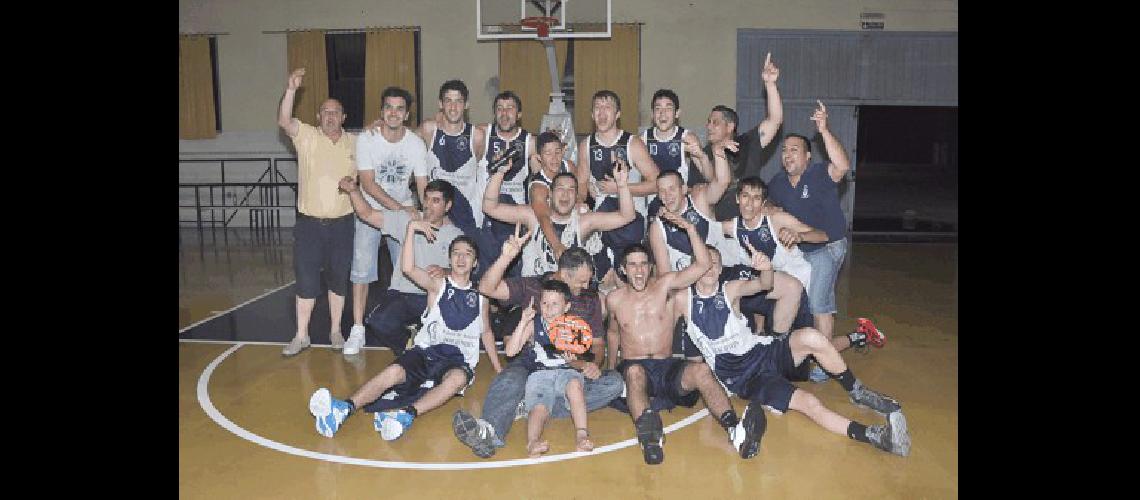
x=508 y=388
x=825 y=263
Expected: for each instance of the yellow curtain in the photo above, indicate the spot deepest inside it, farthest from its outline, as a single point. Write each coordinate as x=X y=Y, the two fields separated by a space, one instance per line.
x=389 y=61
x=613 y=64
x=307 y=50
x=196 y=118
x=523 y=69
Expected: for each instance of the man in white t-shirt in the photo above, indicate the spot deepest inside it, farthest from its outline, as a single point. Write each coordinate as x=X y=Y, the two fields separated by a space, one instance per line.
x=386 y=162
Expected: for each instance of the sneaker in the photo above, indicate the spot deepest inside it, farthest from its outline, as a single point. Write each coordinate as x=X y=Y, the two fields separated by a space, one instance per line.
x=295 y=347
x=817 y=375
x=329 y=412
x=891 y=437
x=873 y=335
x=336 y=339
x=476 y=433
x=747 y=433
x=355 y=340
x=392 y=424
x=651 y=436
x=867 y=398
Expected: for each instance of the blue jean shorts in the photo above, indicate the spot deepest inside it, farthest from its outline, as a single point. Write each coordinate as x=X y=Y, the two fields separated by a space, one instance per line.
x=365 y=252
x=825 y=263
x=548 y=387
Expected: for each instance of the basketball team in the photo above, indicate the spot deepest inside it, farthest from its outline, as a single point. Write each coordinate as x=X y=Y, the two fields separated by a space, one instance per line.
x=621 y=275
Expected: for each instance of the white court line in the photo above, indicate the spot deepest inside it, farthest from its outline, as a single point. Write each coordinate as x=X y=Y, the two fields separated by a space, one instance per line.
x=208 y=407
x=237 y=306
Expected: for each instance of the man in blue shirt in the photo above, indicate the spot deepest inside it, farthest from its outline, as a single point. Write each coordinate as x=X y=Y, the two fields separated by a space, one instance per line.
x=809 y=191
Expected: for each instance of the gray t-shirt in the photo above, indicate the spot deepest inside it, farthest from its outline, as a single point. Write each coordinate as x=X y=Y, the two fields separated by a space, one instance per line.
x=395 y=224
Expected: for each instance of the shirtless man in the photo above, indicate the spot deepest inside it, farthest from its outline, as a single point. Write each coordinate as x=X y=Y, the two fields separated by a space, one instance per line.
x=641 y=317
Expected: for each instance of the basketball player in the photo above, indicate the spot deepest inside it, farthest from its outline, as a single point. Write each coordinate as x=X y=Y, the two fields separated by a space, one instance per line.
x=571 y=227
x=641 y=315
x=603 y=148
x=502 y=134
x=549 y=163
x=758 y=368
x=441 y=364
x=671 y=146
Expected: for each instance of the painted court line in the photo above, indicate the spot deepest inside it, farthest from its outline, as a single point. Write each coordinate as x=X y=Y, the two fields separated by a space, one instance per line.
x=208 y=407
x=239 y=305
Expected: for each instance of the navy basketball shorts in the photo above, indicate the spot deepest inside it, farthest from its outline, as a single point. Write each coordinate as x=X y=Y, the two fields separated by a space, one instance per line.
x=424 y=368
x=762 y=374
x=663 y=379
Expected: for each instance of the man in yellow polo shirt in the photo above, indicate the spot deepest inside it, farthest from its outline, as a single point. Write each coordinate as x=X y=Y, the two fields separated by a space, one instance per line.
x=322 y=235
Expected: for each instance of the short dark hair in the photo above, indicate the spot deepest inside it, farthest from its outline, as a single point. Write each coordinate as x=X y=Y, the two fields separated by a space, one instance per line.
x=453 y=85
x=728 y=113
x=443 y=187
x=575 y=257
x=546 y=138
x=397 y=92
x=603 y=94
x=506 y=94
x=554 y=285
x=807 y=142
x=561 y=175
x=713 y=249
x=670 y=173
x=753 y=182
x=668 y=94
x=463 y=238
x=635 y=248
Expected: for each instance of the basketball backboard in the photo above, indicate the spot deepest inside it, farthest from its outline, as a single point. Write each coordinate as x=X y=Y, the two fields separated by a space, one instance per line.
x=502 y=19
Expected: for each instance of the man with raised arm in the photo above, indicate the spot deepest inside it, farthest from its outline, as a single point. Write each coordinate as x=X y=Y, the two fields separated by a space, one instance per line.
x=643 y=314
x=575 y=268
x=571 y=227
x=322 y=235
x=442 y=362
x=758 y=368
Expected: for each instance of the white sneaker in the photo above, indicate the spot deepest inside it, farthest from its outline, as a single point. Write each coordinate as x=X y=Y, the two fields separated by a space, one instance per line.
x=355 y=340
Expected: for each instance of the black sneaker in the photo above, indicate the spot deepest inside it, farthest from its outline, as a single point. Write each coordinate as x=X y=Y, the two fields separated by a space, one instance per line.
x=892 y=436
x=747 y=433
x=867 y=398
x=651 y=436
x=474 y=432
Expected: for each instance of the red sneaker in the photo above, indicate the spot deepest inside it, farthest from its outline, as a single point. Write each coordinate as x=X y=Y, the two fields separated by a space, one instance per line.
x=874 y=336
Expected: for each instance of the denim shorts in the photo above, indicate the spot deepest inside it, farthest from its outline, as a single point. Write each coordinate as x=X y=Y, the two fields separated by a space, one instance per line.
x=825 y=263
x=365 y=252
x=548 y=387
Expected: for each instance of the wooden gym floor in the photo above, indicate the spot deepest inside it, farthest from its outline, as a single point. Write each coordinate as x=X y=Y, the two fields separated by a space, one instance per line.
x=245 y=430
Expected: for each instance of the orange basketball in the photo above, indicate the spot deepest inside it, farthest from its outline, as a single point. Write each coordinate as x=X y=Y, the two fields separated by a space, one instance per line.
x=570 y=333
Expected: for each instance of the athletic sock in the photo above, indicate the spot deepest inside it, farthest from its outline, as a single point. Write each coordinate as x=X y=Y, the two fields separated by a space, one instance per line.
x=858 y=432
x=412 y=409
x=351 y=406
x=846 y=379
x=728 y=419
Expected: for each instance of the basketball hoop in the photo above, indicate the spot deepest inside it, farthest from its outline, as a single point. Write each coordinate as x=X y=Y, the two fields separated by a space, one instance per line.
x=542 y=24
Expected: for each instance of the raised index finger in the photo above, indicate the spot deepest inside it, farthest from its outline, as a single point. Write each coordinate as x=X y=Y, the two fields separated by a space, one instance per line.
x=768 y=59
x=821 y=106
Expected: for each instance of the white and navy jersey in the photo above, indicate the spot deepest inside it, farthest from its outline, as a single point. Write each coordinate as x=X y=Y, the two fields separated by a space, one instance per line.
x=669 y=153
x=763 y=238
x=601 y=166
x=541 y=178
x=455 y=318
x=452 y=158
x=677 y=241
x=514 y=188
x=715 y=328
x=542 y=355
x=538 y=257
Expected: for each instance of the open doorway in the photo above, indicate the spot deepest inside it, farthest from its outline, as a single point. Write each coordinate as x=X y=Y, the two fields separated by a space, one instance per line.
x=907 y=170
